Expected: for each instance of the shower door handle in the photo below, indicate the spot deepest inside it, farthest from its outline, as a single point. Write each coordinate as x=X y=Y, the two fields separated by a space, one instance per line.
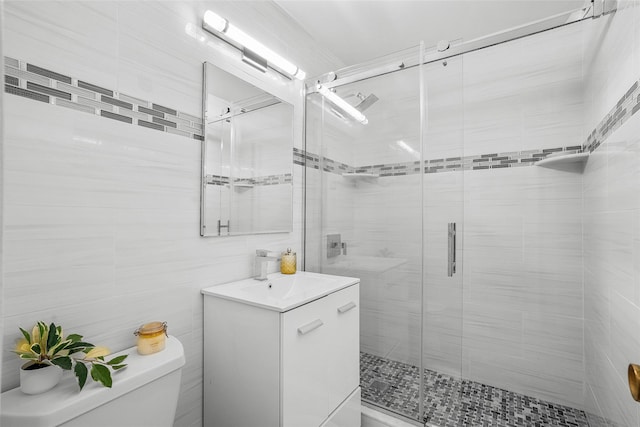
x=451 y=263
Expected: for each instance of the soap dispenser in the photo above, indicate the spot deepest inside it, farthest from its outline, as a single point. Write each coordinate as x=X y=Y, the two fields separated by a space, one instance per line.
x=288 y=262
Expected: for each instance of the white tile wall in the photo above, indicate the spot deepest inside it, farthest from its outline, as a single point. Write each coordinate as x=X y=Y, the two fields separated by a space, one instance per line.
x=611 y=221
x=524 y=94
x=102 y=218
x=522 y=282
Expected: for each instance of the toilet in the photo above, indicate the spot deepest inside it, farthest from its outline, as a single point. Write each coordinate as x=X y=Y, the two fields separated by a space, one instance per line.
x=145 y=393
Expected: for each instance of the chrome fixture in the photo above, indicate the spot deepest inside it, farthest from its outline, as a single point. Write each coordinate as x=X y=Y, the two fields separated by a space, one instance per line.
x=451 y=265
x=253 y=59
x=334 y=245
x=261 y=266
x=443 y=45
x=365 y=102
x=336 y=100
x=250 y=47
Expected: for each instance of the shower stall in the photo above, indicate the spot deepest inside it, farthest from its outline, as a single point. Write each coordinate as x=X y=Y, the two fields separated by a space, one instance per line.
x=469 y=251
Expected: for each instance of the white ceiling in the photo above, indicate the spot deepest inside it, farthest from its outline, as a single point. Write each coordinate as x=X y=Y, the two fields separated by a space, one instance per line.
x=360 y=30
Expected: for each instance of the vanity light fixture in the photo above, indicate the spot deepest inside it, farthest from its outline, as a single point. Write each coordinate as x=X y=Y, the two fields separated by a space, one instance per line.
x=222 y=28
x=255 y=60
x=342 y=104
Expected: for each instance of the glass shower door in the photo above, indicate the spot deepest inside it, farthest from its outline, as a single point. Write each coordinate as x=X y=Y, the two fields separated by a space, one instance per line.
x=443 y=213
x=364 y=219
x=385 y=204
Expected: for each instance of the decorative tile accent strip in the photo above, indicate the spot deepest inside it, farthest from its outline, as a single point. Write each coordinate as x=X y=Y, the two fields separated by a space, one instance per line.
x=47 y=73
x=49 y=91
x=21 y=74
x=150 y=111
x=11 y=61
x=251 y=182
x=627 y=106
x=177 y=132
x=11 y=80
x=450 y=164
x=301 y=157
x=150 y=125
x=117 y=102
x=115 y=116
x=164 y=122
x=40 y=84
x=217 y=180
x=74 y=106
x=452 y=402
x=26 y=93
x=94 y=88
x=164 y=109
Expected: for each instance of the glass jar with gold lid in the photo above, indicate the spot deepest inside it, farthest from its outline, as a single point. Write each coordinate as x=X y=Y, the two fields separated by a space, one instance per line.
x=151 y=337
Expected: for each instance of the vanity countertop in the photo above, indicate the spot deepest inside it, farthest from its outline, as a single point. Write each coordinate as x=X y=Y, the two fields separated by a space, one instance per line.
x=281 y=292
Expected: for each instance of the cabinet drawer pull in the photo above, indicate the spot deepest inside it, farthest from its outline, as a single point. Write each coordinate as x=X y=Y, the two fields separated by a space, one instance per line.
x=305 y=329
x=346 y=307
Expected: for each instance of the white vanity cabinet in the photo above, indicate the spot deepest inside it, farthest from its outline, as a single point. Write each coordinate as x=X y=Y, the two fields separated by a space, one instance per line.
x=283 y=365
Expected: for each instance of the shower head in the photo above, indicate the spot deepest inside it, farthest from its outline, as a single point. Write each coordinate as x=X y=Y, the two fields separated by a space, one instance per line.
x=366 y=102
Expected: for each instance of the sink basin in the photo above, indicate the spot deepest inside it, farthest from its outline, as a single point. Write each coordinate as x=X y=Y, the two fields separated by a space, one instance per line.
x=281 y=292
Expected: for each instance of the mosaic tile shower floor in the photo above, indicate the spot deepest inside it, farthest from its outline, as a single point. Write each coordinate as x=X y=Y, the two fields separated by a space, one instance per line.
x=450 y=402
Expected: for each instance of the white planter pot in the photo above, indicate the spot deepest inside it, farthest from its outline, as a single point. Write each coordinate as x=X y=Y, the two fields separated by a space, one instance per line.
x=35 y=381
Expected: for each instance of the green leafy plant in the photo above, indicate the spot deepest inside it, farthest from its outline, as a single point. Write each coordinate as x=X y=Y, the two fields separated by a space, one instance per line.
x=46 y=345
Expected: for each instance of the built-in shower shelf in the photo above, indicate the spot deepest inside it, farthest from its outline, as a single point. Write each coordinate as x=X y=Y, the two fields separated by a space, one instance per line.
x=358 y=175
x=573 y=161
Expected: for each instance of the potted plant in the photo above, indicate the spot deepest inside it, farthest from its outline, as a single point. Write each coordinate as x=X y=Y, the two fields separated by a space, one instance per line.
x=48 y=353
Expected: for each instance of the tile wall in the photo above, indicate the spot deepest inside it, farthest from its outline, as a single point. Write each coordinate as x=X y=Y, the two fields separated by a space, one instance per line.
x=101 y=225
x=612 y=217
x=521 y=305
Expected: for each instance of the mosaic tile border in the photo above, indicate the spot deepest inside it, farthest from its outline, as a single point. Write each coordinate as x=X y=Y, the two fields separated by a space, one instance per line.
x=627 y=106
x=251 y=182
x=454 y=402
x=40 y=84
x=449 y=164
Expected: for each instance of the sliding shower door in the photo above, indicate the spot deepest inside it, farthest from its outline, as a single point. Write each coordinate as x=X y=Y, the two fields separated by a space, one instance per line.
x=443 y=214
x=364 y=219
x=383 y=199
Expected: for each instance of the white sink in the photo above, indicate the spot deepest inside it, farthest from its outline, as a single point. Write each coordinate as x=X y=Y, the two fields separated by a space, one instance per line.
x=281 y=292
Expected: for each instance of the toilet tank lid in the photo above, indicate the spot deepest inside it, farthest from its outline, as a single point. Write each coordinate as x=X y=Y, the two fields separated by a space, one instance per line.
x=65 y=402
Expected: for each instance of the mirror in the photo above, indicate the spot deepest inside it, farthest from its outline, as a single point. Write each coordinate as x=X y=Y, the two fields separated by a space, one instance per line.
x=247 y=159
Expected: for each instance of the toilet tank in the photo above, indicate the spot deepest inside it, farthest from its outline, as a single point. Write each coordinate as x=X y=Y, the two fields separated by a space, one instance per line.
x=145 y=393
